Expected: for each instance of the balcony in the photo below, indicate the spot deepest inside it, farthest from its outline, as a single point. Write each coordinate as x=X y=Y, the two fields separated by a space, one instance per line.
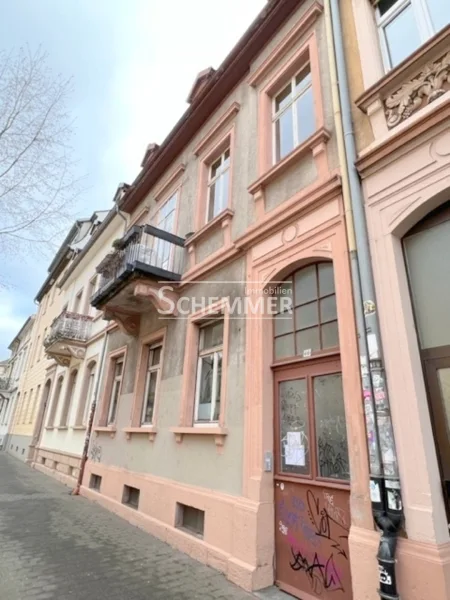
x=143 y=261
x=67 y=338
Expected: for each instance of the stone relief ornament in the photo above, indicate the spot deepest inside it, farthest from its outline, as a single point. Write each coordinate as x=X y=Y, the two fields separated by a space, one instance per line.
x=426 y=87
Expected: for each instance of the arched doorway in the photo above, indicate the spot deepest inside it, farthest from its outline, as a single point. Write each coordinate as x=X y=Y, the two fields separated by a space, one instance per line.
x=427 y=255
x=312 y=473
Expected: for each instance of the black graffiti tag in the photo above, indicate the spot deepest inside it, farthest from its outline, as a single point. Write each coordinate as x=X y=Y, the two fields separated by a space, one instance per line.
x=323 y=524
x=322 y=576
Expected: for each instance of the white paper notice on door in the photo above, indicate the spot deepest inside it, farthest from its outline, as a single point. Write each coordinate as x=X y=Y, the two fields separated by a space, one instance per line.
x=294 y=451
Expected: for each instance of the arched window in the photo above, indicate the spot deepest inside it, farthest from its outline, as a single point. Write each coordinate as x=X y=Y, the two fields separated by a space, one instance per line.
x=55 y=402
x=306 y=319
x=68 y=398
x=87 y=394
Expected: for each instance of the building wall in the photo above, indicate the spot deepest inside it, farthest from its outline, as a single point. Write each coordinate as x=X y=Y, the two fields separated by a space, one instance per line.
x=406 y=174
x=278 y=223
x=59 y=448
x=16 y=369
x=26 y=411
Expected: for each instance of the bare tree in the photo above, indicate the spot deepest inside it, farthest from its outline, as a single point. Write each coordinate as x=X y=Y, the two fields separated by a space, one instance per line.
x=37 y=183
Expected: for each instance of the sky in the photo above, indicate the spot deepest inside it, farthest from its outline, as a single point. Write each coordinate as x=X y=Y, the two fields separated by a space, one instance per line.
x=133 y=63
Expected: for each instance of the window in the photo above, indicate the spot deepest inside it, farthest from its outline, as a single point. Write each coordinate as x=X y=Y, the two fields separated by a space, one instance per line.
x=56 y=397
x=404 y=25
x=209 y=373
x=77 y=302
x=165 y=219
x=95 y=482
x=308 y=323
x=68 y=399
x=218 y=185
x=35 y=404
x=23 y=408
x=92 y=288
x=37 y=349
x=190 y=518
x=115 y=389
x=130 y=496
x=151 y=382
x=293 y=114
x=87 y=394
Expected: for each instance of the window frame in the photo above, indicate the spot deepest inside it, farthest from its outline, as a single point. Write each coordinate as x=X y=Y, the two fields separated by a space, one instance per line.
x=155 y=339
x=422 y=19
x=214 y=351
x=149 y=371
x=103 y=419
x=320 y=323
x=212 y=181
x=56 y=396
x=292 y=105
x=86 y=395
x=216 y=310
x=68 y=398
x=116 y=385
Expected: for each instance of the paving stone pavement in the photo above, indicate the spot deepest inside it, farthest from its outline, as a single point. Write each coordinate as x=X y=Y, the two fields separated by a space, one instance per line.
x=54 y=546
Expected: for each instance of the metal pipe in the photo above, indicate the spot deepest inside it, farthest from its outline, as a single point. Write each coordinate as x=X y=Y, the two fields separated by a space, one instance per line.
x=385 y=490
x=84 y=456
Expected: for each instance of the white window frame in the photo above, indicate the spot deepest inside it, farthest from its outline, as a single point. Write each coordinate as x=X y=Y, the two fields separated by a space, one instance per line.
x=116 y=381
x=292 y=105
x=213 y=180
x=215 y=351
x=89 y=394
x=159 y=246
x=422 y=19
x=148 y=373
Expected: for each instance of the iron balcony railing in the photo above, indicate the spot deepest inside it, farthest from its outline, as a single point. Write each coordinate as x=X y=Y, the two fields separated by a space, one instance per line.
x=145 y=249
x=69 y=326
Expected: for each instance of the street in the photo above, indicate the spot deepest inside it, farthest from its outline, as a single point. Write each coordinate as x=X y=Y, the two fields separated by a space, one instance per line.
x=54 y=546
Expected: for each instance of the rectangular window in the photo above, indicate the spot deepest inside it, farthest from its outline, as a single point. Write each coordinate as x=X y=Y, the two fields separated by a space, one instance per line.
x=209 y=373
x=190 y=518
x=89 y=395
x=95 y=482
x=218 y=185
x=115 y=389
x=131 y=496
x=293 y=114
x=404 y=25
x=92 y=288
x=151 y=382
x=77 y=302
x=165 y=219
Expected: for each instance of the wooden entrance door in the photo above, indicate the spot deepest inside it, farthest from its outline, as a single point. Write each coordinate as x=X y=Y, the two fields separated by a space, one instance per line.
x=311 y=482
x=437 y=371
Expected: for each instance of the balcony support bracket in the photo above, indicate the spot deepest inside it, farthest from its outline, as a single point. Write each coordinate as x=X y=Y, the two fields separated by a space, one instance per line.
x=128 y=323
x=163 y=298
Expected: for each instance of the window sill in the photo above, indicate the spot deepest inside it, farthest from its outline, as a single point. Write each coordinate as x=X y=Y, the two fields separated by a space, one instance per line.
x=215 y=223
x=219 y=433
x=150 y=431
x=49 y=428
x=111 y=429
x=79 y=427
x=321 y=136
x=62 y=428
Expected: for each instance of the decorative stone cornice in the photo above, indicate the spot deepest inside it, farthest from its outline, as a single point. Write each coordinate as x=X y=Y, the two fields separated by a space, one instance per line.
x=433 y=81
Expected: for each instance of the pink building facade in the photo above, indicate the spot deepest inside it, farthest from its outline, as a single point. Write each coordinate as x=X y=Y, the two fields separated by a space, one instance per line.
x=405 y=93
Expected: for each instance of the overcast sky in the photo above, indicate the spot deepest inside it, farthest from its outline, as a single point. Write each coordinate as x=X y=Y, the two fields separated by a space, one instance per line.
x=133 y=64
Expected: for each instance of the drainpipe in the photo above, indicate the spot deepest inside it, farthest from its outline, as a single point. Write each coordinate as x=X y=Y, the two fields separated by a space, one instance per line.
x=84 y=456
x=385 y=492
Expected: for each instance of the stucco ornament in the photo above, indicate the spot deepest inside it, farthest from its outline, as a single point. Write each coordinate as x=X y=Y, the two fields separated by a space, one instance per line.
x=427 y=86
